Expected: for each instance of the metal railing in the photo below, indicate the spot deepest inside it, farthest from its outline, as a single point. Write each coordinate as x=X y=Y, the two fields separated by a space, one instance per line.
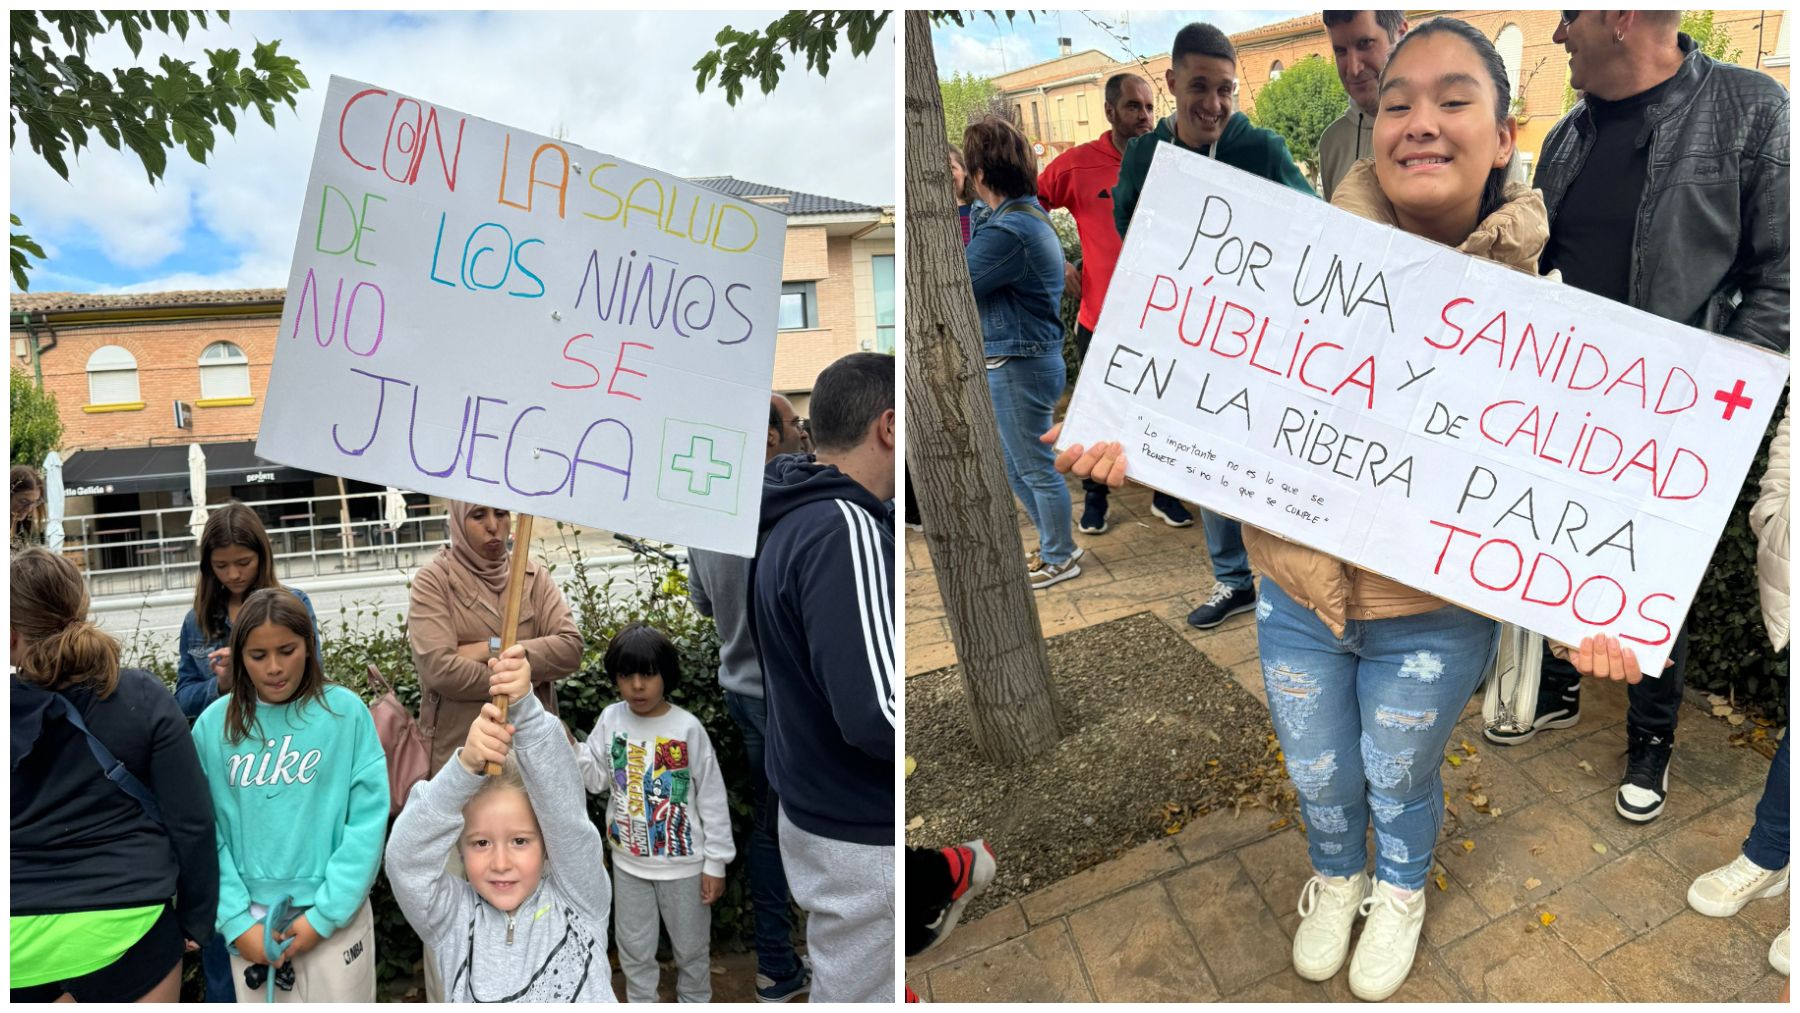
x=148 y=551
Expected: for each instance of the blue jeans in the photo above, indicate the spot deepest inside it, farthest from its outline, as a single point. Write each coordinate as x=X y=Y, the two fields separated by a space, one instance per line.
x=215 y=966
x=769 y=897
x=1225 y=546
x=1767 y=844
x=1025 y=392
x=1363 y=720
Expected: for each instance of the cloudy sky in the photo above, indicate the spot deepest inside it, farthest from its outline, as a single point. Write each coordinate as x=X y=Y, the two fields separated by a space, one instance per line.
x=619 y=84
x=987 y=48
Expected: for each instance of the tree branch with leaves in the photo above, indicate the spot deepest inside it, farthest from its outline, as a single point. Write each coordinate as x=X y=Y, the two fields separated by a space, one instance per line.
x=60 y=100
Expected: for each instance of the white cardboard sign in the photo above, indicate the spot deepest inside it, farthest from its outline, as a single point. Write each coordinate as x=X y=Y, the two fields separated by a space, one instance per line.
x=1520 y=447
x=479 y=312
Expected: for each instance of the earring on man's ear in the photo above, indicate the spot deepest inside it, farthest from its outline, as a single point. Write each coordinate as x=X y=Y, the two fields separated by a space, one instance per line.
x=1618 y=37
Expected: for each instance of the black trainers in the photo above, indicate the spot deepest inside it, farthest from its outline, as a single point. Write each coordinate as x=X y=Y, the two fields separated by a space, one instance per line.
x=1646 y=782
x=1171 y=511
x=1093 y=514
x=770 y=990
x=1222 y=604
x=1556 y=708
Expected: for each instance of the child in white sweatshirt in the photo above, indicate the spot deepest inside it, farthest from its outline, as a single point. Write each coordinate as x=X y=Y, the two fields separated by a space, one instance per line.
x=667 y=822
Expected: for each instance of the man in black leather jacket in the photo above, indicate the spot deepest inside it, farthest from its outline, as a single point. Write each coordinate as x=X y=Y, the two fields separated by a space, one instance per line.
x=1667 y=187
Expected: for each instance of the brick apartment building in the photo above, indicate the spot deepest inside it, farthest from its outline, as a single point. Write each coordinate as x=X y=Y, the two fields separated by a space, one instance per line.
x=1058 y=103
x=120 y=365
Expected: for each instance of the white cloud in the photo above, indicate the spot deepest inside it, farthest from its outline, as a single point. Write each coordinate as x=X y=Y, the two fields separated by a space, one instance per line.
x=619 y=84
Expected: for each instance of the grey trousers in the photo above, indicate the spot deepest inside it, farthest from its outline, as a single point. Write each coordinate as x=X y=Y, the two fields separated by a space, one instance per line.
x=639 y=907
x=847 y=892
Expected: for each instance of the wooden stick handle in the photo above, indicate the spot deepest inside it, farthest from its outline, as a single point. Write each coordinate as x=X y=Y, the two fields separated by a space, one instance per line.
x=515 y=592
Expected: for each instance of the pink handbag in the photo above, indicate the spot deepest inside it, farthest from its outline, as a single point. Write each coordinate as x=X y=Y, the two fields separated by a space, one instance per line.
x=408 y=758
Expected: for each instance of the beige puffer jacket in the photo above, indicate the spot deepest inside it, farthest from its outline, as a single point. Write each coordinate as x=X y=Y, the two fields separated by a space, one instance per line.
x=1335 y=590
x=1769 y=519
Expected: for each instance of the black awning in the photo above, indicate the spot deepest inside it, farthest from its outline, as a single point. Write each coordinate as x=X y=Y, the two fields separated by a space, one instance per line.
x=157 y=469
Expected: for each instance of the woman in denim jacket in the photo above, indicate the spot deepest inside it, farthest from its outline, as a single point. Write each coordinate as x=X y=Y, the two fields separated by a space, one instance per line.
x=1016 y=266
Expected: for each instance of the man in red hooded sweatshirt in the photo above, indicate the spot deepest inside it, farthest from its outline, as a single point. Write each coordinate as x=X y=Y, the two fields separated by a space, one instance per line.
x=1081 y=180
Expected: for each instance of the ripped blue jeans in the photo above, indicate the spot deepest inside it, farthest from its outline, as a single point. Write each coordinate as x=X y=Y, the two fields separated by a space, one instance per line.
x=1363 y=720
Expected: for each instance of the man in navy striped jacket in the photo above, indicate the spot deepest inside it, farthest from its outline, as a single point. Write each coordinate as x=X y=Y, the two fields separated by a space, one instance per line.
x=823 y=616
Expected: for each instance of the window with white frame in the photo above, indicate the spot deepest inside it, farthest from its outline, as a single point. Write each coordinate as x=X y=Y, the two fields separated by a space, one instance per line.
x=112 y=377
x=1275 y=70
x=224 y=372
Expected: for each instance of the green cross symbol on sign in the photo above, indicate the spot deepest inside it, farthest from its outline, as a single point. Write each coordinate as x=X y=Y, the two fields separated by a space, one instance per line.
x=701 y=466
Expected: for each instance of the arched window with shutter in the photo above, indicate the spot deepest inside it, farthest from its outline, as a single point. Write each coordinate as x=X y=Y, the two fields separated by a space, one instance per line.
x=224 y=373
x=112 y=378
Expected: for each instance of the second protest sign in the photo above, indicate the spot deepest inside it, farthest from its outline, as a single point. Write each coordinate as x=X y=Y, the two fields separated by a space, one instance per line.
x=1525 y=449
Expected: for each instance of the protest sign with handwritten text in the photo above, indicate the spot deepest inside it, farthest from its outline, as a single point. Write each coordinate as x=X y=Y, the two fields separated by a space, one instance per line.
x=483 y=313
x=1528 y=450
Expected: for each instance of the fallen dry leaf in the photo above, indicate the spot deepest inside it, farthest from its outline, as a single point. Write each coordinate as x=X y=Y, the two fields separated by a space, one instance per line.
x=1537 y=849
x=1721 y=709
x=1173 y=828
x=1468 y=845
x=1278 y=824
x=1494 y=811
x=1478 y=800
x=1455 y=760
x=1599 y=849
x=915 y=823
x=1545 y=918
x=1584 y=765
x=1735 y=720
x=1533 y=883
x=911 y=765
x=1442 y=883
x=1714 y=699
x=1468 y=748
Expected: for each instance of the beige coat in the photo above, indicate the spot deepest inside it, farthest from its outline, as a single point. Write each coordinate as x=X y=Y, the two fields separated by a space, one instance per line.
x=1769 y=519
x=1335 y=590
x=449 y=607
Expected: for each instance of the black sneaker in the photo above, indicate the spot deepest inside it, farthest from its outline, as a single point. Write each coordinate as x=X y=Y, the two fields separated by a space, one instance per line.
x=1556 y=708
x=770 y=990
x=1093 y=514
x=1646 y=782
x=1171 y=511
x=1222 y=604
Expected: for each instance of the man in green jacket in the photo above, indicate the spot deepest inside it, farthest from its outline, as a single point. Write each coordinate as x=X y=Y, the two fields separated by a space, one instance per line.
x=1202 y=76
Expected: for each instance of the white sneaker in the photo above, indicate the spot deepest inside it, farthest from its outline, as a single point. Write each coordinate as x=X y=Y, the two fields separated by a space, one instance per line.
x=1390 y=938
x=1724 y=891
x=1328 y=907
x=1778 y=955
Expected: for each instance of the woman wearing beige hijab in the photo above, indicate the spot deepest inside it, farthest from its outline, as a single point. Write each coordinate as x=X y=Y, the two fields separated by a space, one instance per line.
x=458 y=601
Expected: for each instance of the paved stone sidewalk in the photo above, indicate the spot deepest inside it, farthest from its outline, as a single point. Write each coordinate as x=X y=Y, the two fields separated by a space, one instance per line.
x=1209 y=913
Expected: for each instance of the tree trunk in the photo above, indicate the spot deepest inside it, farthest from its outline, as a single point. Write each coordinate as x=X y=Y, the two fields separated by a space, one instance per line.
x=953 y=449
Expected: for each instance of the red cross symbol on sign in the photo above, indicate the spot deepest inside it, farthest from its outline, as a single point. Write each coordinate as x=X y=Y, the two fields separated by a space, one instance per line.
x=1733 y=398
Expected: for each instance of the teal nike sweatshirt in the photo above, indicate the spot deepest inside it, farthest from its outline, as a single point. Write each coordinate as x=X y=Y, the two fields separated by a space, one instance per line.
x=301 y=808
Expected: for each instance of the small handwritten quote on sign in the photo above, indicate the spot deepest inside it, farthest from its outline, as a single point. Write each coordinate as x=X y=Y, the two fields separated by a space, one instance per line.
x=483 y=313
x=1525 y=449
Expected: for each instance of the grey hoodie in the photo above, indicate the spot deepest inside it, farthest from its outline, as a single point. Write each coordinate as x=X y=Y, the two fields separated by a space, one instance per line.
x=553 y=948
x=719 y=586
